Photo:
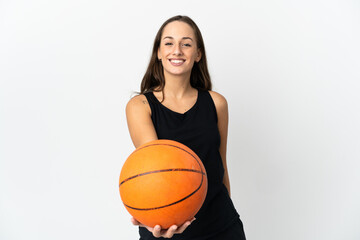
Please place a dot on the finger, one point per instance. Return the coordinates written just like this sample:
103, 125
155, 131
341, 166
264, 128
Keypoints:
170, 232
156, 231
184, 226
134, 221
137, 223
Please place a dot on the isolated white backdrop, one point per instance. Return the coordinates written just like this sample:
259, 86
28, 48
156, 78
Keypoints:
290, 73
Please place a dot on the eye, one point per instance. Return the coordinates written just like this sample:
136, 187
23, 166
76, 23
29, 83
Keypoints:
187, 44
168, 44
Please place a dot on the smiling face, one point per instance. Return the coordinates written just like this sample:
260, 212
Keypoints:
178, 49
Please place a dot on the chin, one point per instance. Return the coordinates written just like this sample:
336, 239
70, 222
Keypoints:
178, 72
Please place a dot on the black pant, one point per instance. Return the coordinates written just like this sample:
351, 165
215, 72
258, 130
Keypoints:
234, 232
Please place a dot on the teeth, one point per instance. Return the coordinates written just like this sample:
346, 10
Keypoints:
177, 61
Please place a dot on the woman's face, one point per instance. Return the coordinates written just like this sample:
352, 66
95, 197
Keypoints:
178, 50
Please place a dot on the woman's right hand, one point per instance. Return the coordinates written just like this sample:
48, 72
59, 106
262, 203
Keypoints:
166, 233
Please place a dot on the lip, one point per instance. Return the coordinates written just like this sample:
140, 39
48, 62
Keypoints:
177, 64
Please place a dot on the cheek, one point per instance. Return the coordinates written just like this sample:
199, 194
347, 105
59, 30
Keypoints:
161, 51
164, 52
194, 56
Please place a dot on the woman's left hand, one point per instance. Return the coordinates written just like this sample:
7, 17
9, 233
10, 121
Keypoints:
165, 233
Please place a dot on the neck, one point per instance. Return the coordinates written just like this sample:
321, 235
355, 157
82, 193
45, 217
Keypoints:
177, 86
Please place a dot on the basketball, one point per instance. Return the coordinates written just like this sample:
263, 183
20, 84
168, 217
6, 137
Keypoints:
163, 182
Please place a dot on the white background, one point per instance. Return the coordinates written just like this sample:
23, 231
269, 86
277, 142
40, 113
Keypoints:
288, 69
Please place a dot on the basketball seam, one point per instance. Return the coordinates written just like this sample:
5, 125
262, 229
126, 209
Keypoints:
162, 170
154, 144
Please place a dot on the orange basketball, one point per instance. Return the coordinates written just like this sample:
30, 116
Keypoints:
163, 182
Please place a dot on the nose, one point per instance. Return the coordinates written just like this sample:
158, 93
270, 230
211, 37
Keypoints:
177, 50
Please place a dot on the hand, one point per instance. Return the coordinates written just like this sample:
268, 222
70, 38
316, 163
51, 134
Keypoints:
166, 233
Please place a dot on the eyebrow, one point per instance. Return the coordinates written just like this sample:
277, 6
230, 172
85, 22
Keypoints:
182, 38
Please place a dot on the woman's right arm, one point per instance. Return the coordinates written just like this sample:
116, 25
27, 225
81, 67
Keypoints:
142, 130
138, 116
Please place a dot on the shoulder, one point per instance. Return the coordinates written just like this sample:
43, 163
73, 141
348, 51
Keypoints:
138, 103
219, 101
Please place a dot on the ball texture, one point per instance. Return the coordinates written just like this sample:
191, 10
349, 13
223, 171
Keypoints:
163, 182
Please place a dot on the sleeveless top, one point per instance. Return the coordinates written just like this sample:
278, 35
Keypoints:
197, 128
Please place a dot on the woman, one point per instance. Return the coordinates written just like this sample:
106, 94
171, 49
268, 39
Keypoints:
176, 102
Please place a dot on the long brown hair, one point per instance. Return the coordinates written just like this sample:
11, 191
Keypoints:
154, 76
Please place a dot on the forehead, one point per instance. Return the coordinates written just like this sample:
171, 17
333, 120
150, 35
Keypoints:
178, 29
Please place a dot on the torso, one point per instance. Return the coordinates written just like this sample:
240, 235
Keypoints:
180, 106
197, 128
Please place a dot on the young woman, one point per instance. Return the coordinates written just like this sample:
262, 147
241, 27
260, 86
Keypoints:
176, 102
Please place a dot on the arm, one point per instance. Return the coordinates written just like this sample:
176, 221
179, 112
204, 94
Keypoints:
223, 120
142, 130
138, 116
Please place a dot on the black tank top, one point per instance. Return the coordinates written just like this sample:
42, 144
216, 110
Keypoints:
197, 128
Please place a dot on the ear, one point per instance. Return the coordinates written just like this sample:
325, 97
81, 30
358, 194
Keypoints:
199, 55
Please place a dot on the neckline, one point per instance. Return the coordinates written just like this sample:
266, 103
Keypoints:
180, 114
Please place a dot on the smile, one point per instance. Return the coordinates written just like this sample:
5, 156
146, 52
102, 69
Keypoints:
176, 62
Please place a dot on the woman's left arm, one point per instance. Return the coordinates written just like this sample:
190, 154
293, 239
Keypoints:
223, 122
